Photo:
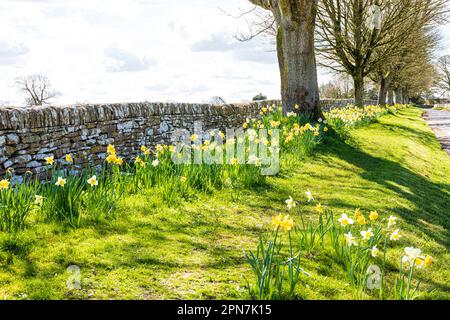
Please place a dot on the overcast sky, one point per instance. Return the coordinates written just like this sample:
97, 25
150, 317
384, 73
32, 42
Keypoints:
136, 50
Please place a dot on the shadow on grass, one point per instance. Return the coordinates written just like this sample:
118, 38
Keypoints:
430, 199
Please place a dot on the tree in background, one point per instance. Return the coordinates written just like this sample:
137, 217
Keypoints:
443, 79
340, 87
37, 89
217, 101
259, 97
357, 36
295, 21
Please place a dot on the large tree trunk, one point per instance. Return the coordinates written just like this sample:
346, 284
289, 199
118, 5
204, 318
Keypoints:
358, 80
398, 96
299, 79
390, 97
382, 93
280, 55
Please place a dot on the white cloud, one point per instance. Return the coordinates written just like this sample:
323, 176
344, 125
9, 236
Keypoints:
115, 50
120, 60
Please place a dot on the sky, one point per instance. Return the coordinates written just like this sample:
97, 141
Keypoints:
104, 51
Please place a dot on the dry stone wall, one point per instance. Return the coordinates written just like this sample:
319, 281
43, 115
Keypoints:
29, 135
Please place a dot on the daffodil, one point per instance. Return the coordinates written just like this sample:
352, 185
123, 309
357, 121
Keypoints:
344, 220
4, 184
194, 137
412, 256
38, 200
291, 203
309, 196
50, 160
319, 208
373, 216
392, 221
172, 149
159, 148
111, 149
284, 223
374, 251
155, 163
395, 235
93, 182
361, 220
69, 158
111, 158
234, 161
325, 129
291, 114
427, 261
118, 161
145, 150
61, 182
245, 125
367, 234
350, 239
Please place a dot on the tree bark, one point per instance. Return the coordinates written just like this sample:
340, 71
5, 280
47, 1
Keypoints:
382, 93
358, 80
280, 55
390, 97
398, 96
299, 79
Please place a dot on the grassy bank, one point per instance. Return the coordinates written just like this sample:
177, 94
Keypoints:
195, 249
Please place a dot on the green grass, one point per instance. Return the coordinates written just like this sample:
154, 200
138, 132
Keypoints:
442, 108
195, 250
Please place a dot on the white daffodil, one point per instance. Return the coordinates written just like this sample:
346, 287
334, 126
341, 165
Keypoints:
395, 235
412, 255
344, 220
309, 196
291, 203
350, 239
155, 163
61, 182
392, 221
93, 182
367, 234
374, 251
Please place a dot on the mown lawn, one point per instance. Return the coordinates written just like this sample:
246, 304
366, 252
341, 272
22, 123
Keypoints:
195, 250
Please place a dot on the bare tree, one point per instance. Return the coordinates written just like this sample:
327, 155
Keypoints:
295, 21
356, 36
443, 69
37, 89
217, 101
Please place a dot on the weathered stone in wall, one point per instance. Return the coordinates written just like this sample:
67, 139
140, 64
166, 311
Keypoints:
29, 135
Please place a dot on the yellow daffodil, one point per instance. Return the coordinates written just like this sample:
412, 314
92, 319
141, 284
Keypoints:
319, 208
172, 149
361, 220
290, 203
325, 129
296, 107
118, 161
245, 125
374, 251
344, 220
395, 235
373, 216
194, 137
283, 223
50, 160
61, 182
350, 239
111, 158
145, 150
4, 184
111, 149
427, 261
367, 234
159, 148
93, 182
69, 158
